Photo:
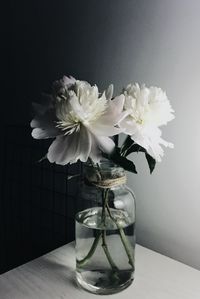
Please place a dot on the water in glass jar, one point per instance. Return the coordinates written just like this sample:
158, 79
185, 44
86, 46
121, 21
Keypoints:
103, 250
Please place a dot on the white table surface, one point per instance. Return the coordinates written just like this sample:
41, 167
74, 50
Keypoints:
52, 277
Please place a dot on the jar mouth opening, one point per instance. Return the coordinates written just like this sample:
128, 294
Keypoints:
105, 174
104, 165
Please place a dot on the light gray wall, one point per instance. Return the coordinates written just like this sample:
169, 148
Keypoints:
158, 42
164, 49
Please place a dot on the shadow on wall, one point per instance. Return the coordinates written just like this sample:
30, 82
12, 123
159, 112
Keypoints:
37, 203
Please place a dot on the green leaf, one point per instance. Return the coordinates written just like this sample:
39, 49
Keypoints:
127, 143
122, 161
116, 140
134, 148
130, 146
151, 162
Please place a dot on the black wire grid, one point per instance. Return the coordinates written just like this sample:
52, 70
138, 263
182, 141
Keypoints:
37, 204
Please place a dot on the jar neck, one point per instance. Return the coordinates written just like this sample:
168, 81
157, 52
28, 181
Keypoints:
105, 174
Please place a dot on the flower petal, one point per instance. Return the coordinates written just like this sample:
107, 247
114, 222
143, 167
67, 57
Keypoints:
44, 127
70, 148
128, 125
77, 108
68, 80
117, 104
114, 112
106, 144
39, 133
44, 121
150, 139
84, 145
102, 129
95, 153
109, 92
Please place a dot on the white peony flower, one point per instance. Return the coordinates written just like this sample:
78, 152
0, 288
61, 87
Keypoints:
80, 119
146, 110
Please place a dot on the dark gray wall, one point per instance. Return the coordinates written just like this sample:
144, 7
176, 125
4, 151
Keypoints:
88, 39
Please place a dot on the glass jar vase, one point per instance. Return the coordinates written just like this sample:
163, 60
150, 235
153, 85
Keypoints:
105, 230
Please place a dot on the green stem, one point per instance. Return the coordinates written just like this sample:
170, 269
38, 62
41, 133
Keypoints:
123, 237
82, 262
107, 253
104, 201
126, 246
103, 234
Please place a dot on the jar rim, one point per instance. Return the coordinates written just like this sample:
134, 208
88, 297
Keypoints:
104, 164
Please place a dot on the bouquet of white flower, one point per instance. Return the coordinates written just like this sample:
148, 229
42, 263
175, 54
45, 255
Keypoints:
86, 125
82, 121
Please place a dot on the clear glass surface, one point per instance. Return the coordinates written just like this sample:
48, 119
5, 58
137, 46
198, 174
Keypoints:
105, 233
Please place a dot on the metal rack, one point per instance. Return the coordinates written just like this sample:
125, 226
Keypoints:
37, 202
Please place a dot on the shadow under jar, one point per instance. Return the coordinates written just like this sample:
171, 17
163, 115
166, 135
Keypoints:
105, 230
